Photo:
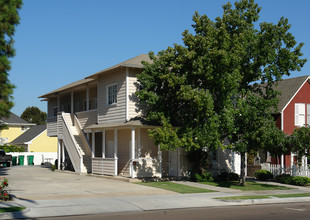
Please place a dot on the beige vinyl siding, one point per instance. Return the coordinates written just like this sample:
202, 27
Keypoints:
103, 166
133, 107
148, 163
52, 127
124, 136
148, 148
114, 112
87, 118
51, 119
109, 137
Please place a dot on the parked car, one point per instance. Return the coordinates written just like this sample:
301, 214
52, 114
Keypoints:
5, 159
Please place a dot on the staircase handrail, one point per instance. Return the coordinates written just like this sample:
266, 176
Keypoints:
83, 136
72, 139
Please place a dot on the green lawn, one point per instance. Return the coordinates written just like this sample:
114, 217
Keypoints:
11, 209
264, 196
249, 186
179, 188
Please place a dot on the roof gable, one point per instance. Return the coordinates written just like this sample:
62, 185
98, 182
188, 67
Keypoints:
134, 62
14, 119
288, 89
30, 134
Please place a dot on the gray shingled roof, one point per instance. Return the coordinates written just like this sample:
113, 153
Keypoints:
69, 86
134, 62
136, 122
288, 88
14, 120
30, 134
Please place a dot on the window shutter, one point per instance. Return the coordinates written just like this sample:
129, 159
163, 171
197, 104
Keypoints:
302, 114
308, 114
300, 111
296, 114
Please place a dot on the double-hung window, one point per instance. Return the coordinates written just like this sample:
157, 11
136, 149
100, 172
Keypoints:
112, 94
300, 114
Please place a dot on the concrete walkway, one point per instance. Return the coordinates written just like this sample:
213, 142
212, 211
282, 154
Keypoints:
47, 194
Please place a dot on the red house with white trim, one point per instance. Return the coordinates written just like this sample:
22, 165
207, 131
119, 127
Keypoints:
293, 109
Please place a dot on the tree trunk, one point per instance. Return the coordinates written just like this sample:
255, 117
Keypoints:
242, 173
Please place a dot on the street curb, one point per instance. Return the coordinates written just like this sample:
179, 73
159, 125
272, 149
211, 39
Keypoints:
267, 201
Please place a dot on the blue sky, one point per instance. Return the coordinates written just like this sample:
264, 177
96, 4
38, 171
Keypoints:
61, 41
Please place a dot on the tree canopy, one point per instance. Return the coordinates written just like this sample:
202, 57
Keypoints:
9, 18
299, 142
34, 115
220, 84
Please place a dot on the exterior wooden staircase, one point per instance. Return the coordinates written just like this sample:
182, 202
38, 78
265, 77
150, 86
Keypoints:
76, 143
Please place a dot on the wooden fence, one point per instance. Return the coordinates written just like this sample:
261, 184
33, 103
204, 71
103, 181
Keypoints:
293, 170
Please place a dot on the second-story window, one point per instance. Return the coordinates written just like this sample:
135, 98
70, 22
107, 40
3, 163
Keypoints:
112, 94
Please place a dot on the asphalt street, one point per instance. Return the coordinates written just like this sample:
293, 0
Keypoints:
53, 194
286, 211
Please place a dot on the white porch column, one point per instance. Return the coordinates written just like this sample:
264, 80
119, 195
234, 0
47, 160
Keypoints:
72, 102
115, 151
93, 144
233, 161
63, 155
132, 151
103, 144
58, 154
282, 163
160, 161
87, 98
139, 144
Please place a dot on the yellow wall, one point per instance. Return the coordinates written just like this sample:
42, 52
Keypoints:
11, 132
43, 143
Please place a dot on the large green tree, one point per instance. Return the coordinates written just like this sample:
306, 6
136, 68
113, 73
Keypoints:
9, 18
220, 84
299, 142
34, 115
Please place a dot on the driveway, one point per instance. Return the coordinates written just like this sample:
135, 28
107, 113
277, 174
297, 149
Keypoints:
40, 183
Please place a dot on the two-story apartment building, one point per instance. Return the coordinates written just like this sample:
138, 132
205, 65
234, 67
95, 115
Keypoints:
97, 123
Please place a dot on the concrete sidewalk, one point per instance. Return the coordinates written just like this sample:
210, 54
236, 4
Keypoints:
79, 195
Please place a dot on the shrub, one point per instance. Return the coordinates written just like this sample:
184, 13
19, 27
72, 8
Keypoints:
54, 167
284, 178
263, 175
205, 176
4, 195
12, 148
300, 180
225, 176
233, 176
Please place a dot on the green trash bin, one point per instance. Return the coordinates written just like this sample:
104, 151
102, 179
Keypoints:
30, 159
14, 161
21, 160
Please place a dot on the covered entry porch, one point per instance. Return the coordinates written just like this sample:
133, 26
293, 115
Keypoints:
124, 149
